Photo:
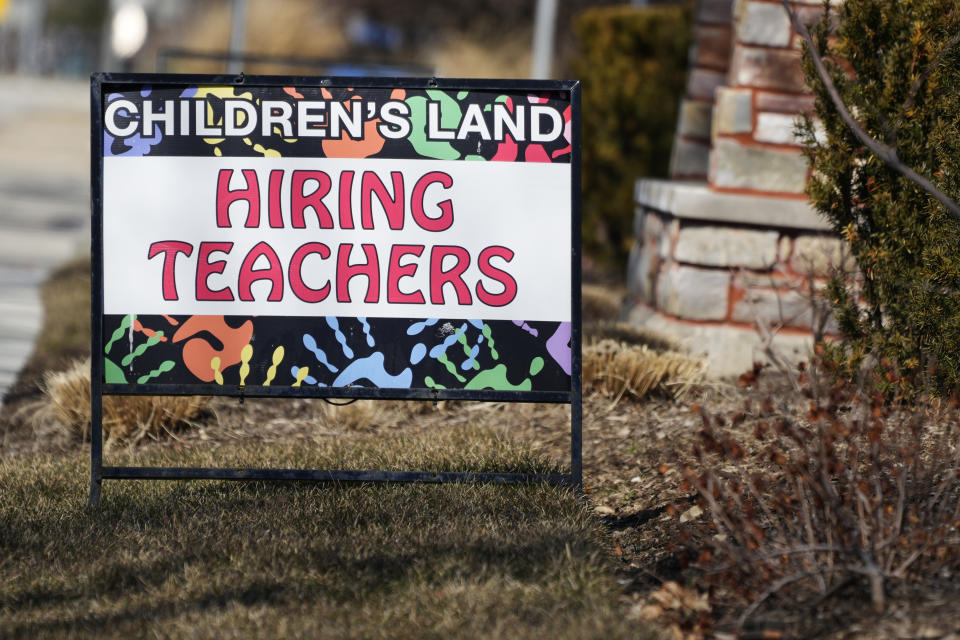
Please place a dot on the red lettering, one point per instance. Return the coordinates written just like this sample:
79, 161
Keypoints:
346, 210
249, 275
454, 275
275, 212
509, 292
297, 285
347, 271
205, 268
169, 249
445, 219
299, 201
249, 194
371, 184
395, 271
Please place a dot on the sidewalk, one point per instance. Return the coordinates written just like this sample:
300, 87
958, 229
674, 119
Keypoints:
44, 201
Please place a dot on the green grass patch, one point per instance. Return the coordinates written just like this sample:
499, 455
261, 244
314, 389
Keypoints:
238, 560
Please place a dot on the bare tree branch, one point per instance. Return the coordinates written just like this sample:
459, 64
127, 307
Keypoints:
884, 152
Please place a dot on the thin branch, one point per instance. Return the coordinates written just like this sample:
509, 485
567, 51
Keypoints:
882, 151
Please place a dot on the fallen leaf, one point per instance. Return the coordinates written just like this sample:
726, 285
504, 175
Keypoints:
692, 513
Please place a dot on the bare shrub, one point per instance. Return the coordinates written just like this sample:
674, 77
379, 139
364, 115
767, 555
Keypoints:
126, 419
861, 489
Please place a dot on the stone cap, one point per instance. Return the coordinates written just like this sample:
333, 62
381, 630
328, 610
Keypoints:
695, 200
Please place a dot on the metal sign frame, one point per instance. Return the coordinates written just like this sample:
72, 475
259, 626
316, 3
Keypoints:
101, 84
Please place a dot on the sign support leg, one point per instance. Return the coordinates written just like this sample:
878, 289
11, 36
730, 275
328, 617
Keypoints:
96, 444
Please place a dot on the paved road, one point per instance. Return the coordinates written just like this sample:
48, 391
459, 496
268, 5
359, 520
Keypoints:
44, 201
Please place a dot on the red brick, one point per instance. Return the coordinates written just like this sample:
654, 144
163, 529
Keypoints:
715, 11
784, 102
713, 46
703, 83
777, 69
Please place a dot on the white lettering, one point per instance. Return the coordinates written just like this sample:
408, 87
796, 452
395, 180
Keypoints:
230, 125
111, 114
434, 132
537, 112
165, 116
396, 123
305, 119
281, 117
473, 122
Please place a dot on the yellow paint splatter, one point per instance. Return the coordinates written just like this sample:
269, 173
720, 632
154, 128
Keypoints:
245, 354
267, 153
302, 373
272, 371
215, 365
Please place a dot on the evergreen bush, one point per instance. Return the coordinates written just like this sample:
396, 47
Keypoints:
896, 65
632, 62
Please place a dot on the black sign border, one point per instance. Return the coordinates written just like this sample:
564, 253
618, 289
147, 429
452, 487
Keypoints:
102, 83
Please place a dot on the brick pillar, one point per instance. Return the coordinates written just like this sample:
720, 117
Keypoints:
754, 149
729, 249
709, 62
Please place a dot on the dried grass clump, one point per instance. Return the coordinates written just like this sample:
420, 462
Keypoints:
615, 368
126, 419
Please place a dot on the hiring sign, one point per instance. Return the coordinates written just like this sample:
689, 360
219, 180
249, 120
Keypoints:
272, 233
320, 237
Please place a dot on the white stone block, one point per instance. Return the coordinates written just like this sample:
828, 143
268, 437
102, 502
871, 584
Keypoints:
733, 112
764, 24
819, 255
730, 351
726, 247
772, 170
694, 294
776, 128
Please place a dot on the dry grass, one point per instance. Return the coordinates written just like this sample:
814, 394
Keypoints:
615, 369
241, 560
65, 409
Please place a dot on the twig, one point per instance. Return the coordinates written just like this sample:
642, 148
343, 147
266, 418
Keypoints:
774, 588
882, 151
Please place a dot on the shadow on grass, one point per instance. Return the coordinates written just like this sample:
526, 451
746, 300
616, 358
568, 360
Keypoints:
219, 559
